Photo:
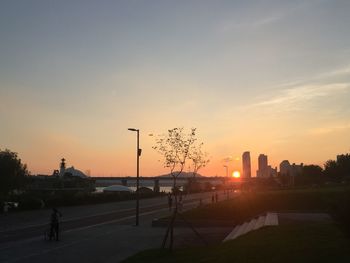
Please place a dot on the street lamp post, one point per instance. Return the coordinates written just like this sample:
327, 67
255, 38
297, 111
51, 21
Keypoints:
138, 154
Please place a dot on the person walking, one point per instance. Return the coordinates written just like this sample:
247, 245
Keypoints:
180, 204
6, 208
170, 201
54, 224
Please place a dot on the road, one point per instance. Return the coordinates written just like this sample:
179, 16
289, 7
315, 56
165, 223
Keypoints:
93, 233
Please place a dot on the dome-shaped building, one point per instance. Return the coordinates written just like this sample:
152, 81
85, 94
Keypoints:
75, 172
70, 171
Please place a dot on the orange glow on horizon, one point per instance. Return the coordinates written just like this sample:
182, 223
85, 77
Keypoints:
236, 174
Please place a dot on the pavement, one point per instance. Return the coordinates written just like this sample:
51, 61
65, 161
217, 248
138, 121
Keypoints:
95, 233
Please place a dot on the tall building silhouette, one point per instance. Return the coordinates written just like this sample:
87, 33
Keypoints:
263, 170
246, 165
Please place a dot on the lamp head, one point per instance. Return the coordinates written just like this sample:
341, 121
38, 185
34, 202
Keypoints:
132, 129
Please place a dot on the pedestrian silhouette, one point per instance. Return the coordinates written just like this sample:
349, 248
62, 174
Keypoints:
216, 197
54, 224
170, 201
180, 204
6, 208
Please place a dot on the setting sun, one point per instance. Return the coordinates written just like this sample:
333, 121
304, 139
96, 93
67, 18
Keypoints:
236, 174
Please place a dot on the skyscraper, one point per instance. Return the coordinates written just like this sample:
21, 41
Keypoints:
263, 166
246, 165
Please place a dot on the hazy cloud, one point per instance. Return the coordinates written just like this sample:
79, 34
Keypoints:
329, 129
303, 93
227, 159
267, 20
336, 72
339, 72
258, 22
307, 92
234, 25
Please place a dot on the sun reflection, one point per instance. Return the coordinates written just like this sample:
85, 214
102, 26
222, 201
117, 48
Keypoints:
236, 174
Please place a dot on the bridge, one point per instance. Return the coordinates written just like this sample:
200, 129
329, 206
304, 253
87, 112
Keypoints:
161, 180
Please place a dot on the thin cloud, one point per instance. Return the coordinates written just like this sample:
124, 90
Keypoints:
267, 20
339, 72
336, 73
228, 26
303, 93
227, 159
329, 129
277, 15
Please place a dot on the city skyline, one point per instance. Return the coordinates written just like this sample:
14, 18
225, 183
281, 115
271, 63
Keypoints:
270, 77
264, 168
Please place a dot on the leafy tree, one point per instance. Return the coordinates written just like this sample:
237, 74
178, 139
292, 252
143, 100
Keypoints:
331, 170
343, 163
339, 169
310, 174
13, 174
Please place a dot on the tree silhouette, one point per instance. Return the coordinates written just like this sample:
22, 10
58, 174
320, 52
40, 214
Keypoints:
198, 157
310, 175
177, 148
199, 160
337, 170
13, 174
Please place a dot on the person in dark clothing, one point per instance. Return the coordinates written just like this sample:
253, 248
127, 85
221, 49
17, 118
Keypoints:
170, 201
180, 203
54, 224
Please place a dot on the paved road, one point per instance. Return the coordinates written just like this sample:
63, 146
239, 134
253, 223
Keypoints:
94, 233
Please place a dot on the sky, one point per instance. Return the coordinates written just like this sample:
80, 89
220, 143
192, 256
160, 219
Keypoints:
268, 77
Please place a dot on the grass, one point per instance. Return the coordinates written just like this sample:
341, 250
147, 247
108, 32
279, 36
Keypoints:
286, 243
303, 242
250, 204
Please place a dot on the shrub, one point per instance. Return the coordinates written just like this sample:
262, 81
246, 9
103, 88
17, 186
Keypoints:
30, 202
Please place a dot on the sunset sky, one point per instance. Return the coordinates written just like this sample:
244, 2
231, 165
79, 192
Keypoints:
268, 77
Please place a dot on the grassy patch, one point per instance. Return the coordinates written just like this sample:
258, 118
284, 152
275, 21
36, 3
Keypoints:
248, 205
287, 243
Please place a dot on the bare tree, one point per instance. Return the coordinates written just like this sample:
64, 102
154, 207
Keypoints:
198, 157
199, 160
177, 148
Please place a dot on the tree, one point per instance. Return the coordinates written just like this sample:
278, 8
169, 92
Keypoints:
177, 148
13, 174
198, 157
343, 163
338, 170
199, 160
310, 174
331, 170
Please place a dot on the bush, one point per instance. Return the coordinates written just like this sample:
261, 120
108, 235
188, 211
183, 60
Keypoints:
251, 204
30, 202
341, 211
